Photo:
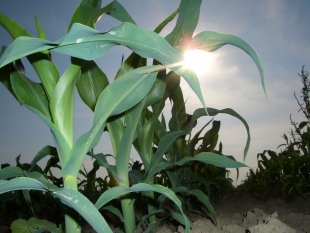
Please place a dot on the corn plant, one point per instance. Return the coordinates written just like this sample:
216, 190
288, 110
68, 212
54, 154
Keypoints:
120, 107
288, 170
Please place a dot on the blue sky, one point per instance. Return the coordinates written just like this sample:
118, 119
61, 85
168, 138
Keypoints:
277, 29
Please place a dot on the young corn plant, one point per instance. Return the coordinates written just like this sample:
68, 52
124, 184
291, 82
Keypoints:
121, 107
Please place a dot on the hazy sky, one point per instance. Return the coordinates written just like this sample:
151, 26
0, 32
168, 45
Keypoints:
277, 29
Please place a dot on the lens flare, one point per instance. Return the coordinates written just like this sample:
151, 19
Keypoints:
198, 60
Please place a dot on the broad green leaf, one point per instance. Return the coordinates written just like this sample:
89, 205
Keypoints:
84, 207
41, 223
91, 83
27, 91
116, 192
39, 177
45, 68
86, 43
211, 41
63, 148
62, 102
186, 23
205, 200
120, 95
10, 172
21, 226
22, 183
45, 151
24, 46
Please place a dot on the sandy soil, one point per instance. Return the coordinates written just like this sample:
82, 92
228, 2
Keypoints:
244, 213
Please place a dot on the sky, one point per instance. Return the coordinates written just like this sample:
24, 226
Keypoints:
277, 29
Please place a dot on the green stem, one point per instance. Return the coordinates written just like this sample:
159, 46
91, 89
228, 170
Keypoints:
129, 214
72, 226
151, 207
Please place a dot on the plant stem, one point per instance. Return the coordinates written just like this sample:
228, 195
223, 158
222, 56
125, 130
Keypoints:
72, 226
129, 214
150, 206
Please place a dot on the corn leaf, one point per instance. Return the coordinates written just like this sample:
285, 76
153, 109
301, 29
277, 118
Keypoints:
45, 151
41, 62
86, 43
123, 153
91, 83
213, 112
84, 207
63, 148
204, 157
186, 23
10, 172
120, 95
22, 183
5, 78
213, 159
62, 102
205, 200
211, 41
27, 91
116, 192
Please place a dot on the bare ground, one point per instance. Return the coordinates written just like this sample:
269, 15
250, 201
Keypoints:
241, 212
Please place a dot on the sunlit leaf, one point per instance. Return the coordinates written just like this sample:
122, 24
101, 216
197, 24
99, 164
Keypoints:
186, 23
211, 41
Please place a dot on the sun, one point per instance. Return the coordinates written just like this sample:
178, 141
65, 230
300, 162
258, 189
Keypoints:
198, 60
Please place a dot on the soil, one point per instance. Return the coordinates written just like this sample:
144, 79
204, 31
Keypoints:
242, 212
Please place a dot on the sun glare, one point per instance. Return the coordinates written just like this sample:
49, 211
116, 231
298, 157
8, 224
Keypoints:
198, 60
